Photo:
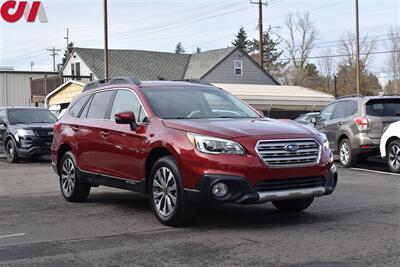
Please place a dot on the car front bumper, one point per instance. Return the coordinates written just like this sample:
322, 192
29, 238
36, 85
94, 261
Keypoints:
241, 192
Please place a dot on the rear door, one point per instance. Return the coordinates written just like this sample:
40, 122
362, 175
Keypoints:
122, 145
380, 114
92, 155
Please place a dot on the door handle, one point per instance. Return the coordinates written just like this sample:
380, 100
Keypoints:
75, 128
105, 133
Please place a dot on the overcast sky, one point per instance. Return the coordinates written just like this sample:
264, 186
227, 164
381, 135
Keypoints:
160, 25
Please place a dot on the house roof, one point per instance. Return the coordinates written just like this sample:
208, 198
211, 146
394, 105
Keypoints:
203, 62
144, 65
150, 65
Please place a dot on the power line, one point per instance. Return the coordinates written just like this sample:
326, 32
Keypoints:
345, 55
54, 54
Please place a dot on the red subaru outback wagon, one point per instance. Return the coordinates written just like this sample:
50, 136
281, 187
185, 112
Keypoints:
183, 143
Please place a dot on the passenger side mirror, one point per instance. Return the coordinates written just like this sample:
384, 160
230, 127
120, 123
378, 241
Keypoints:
126, 118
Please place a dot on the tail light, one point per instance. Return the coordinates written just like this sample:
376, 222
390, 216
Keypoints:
362, 123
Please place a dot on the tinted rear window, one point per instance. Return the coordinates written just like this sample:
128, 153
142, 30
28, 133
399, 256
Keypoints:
383, 107
100, 103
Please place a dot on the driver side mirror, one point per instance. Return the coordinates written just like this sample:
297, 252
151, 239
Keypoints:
126, 118
315, 120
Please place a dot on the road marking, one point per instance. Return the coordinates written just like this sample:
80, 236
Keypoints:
373, 171
14, 235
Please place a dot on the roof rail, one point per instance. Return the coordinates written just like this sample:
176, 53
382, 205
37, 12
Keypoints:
347, 96
199, 81
115, 80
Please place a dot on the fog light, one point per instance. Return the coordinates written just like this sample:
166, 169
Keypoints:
220, 190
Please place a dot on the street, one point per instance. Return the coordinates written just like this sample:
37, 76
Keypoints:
358, 225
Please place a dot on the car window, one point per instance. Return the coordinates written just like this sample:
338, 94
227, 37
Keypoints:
99, 105
28, 116
344, 109
383, 107
127, 101
3, 115
326, 113
196, 103
76, 108
85, 110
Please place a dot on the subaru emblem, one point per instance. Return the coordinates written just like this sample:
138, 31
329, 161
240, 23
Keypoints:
291, 148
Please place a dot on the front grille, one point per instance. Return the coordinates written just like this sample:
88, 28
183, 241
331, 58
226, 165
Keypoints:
277, 152
287, 184
43, 133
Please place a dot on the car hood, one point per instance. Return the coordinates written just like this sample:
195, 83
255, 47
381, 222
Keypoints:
39, 126
234, 128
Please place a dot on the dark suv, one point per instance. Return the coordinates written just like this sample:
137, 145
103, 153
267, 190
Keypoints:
26, 132
183, 142
354, 125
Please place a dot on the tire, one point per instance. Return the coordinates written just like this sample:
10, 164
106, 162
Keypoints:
393, 156
166, 193
293, 205
11, 152
346, 156
72, 187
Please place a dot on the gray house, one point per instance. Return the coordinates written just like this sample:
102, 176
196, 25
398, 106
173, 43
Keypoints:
227, 65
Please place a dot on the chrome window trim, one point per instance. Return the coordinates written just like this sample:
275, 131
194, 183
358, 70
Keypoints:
290, 165
90, 93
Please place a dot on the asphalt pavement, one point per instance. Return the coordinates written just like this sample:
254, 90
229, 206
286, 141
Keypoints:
359, 225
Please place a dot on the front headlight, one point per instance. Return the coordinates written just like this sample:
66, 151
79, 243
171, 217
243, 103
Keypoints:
213, 145
24, 132
325, 142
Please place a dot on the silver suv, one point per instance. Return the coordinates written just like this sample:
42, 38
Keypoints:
354, 125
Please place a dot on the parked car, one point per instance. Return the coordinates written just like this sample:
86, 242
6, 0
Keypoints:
307, 118
183, 143
26, 132
354, 125
390, 146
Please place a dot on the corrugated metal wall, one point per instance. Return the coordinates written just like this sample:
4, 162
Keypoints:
15, 87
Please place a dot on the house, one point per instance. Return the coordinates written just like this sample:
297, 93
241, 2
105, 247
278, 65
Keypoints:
15, 86
226, 65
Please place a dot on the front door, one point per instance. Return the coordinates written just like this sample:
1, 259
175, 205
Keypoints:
123, 147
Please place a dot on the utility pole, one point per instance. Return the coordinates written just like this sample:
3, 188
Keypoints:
105, 40
358, 49
335, 85
67, 37
54, 54
32, 64
260, 28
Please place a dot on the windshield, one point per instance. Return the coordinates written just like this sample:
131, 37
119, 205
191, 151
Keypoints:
383, 107
188, 103
28, 116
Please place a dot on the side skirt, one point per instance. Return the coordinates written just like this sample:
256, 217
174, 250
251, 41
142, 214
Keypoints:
121, 183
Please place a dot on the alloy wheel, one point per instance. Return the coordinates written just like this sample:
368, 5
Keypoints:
68, 177
394, 157
344, 153
164, 192
10, 151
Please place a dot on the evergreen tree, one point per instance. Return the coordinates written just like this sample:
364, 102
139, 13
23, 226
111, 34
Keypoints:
272, 54
67, 52
179, 48
241, 40
198, 50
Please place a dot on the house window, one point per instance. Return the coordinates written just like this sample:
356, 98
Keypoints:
78, 69
72, 69
238, 67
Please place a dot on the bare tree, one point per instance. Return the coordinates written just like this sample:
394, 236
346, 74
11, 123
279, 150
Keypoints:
327, 63
347, 47
302, 36
393, 59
